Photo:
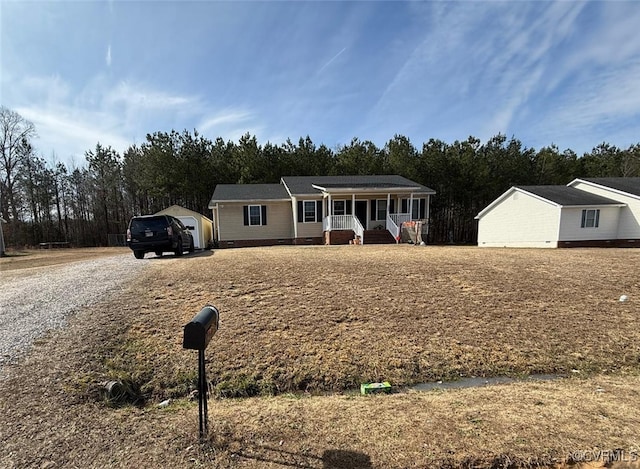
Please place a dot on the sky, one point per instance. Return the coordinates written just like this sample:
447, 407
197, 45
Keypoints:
565, 73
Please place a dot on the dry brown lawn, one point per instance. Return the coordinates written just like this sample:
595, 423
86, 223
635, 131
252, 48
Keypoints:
297, 322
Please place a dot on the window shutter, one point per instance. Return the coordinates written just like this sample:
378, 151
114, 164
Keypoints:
348, 209
264, 214
405, 207
245, 212
374, 209
300, 212
597, 218
319, 210
423, 203
392, 206
584, 219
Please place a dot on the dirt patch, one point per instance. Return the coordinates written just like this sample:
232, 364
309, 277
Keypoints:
318, 319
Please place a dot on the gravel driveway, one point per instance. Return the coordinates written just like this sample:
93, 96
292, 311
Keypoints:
33, 301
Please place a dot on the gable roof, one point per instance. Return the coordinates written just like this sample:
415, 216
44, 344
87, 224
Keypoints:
568, 196
248, 193
628, 185
560, 196
312, 185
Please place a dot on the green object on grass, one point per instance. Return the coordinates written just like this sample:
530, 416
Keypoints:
370, 388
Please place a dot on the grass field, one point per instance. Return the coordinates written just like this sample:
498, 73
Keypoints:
300, 322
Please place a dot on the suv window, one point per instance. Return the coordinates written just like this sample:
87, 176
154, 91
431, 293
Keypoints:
154, 224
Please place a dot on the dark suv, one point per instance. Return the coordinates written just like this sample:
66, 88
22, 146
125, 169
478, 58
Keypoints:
158, 233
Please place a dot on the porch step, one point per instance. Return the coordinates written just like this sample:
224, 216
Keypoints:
378, 237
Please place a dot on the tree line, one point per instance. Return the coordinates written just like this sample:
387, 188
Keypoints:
45, 201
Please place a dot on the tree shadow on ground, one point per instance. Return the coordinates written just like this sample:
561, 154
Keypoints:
330, 459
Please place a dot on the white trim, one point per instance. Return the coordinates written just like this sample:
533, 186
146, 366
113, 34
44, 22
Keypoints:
294, 210
602, 186
217, 216
315, 211
249, 201
249, 215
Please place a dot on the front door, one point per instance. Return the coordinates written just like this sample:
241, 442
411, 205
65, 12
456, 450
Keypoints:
361, 212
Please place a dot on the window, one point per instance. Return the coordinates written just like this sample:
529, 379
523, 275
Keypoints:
339, 207
381, 209
255, 215
418, 208
309, 211
590, 218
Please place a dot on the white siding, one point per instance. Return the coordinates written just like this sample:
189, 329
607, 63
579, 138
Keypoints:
571, 230
629, 222
203, 229
279, 222
519, 220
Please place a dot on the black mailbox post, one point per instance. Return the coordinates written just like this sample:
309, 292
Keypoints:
197, 335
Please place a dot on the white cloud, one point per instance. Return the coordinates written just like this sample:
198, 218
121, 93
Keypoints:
231, 124
71, 132
138, 97
108, 58
224, 119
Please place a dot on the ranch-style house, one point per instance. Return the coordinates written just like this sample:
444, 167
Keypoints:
319, 210
585, 212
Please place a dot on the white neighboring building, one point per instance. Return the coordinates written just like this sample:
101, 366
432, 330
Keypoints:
556, 216
625, 190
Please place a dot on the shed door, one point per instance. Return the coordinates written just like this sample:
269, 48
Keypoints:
192, 224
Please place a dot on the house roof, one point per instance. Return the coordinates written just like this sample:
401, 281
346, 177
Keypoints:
562, 196
311, 185
248, 193
628, 185
175, 209
567, 196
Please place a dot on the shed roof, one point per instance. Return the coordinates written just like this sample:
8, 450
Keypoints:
628, 185
180, 211
248, 192
568, 196
303, 185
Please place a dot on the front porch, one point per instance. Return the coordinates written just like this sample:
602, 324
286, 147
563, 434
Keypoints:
374, 220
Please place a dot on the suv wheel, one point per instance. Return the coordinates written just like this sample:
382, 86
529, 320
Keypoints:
178, 251
139, 254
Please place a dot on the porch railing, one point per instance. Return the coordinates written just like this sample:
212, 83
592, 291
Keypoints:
400, 218
358, 229
337, 222
343, 222
393, 228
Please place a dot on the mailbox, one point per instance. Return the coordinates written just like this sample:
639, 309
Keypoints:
198, 332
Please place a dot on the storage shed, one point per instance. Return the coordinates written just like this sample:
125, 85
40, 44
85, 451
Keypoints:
200, 226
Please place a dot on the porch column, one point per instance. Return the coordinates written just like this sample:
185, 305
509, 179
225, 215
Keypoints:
329, 213
411, 206
388, 205
426, 213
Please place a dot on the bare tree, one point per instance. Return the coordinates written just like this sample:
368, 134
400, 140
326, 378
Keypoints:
15, 142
